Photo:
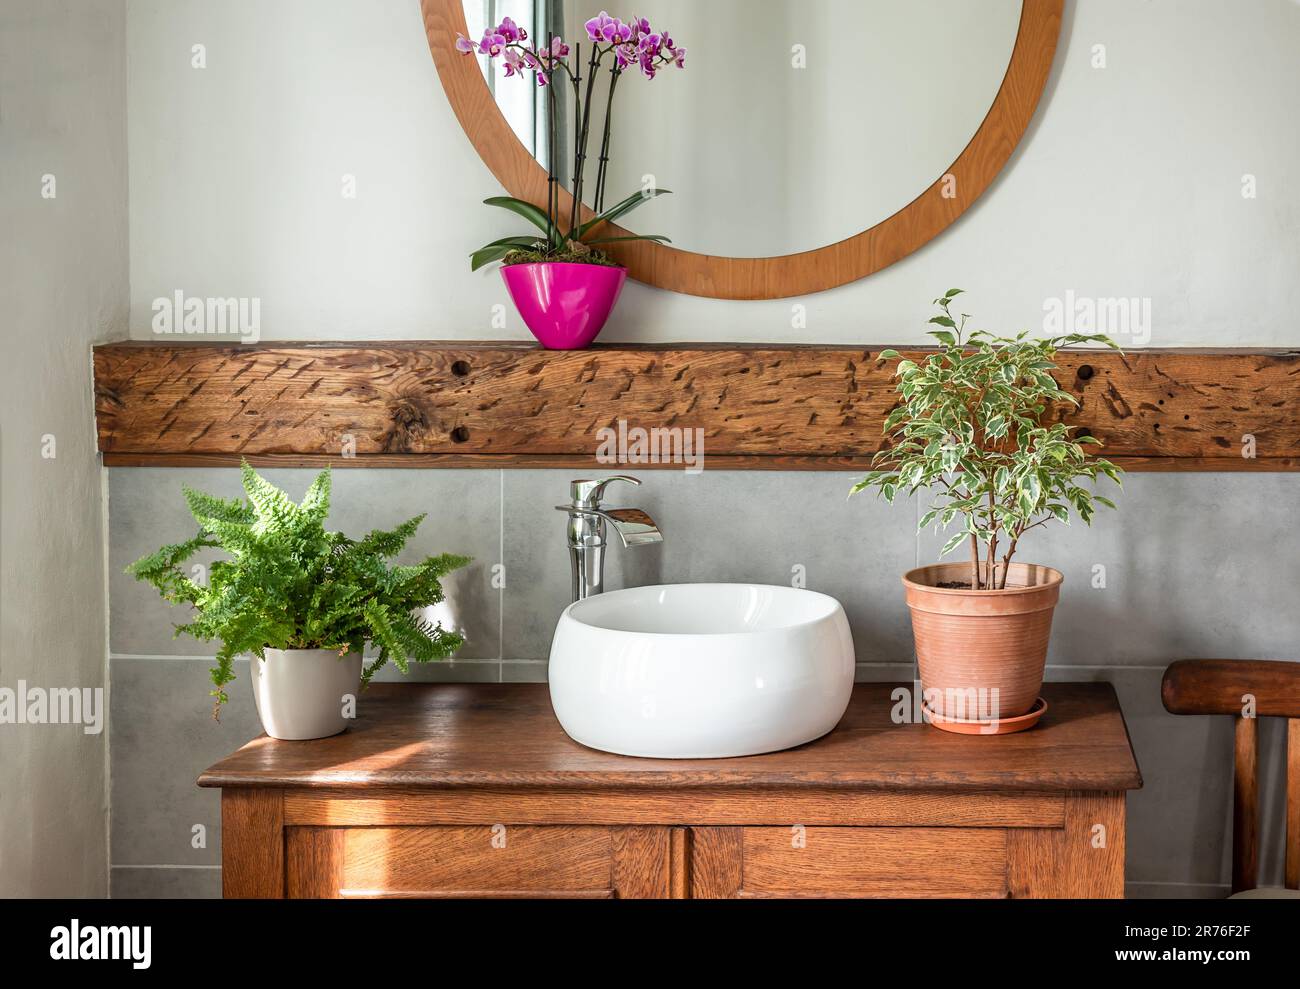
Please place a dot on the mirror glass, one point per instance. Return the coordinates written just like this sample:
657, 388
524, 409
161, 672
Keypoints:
793, 124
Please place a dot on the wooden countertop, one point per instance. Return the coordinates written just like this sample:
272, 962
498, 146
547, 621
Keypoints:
505, 735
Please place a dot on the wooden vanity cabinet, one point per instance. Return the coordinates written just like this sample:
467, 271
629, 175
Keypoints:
473, 790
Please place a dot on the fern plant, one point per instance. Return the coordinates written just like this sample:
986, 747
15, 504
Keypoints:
290, 584
972, 426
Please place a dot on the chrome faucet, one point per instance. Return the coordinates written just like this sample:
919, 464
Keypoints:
586, 532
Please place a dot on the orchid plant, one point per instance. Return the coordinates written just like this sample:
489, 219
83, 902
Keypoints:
615, 47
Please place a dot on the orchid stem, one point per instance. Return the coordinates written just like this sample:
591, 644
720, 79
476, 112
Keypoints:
552, 182
604, 144
577, 138
583, 110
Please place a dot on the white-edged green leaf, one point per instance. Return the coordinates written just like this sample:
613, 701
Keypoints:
953, 543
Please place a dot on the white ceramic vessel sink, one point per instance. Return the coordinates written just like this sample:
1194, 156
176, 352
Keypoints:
695, 671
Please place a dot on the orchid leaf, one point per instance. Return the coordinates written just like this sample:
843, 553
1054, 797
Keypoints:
658, 238
619, 209
533, 214
523, 243
498, 249
486, 255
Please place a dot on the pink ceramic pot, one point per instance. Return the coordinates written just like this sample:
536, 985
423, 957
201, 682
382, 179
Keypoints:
564, 305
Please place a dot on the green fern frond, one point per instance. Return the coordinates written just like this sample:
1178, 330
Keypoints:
316, 503
274, 508
373, 667
444, 564
205, 506
233, 537
384, 635
426, 642
222, 674
391, 542
162, 570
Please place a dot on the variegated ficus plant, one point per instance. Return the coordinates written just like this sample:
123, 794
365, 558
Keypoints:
975, 429
614, 46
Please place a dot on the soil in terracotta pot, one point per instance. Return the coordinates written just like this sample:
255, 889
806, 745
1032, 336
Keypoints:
953, 585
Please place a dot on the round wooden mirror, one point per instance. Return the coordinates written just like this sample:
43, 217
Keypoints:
923, 146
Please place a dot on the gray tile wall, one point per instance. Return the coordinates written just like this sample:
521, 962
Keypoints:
1194, 566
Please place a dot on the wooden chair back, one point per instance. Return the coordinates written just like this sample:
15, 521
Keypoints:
1247, 689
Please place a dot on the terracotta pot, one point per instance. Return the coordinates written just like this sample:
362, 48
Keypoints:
981, 653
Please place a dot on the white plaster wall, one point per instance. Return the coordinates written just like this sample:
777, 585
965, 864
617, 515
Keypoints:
1128, 184
63, 286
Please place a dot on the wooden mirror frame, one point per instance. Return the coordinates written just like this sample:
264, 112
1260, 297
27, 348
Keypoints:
895, 237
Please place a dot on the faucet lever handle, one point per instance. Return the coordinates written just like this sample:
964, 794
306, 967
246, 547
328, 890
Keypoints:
588, 493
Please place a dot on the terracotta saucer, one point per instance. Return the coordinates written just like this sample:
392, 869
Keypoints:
998, 726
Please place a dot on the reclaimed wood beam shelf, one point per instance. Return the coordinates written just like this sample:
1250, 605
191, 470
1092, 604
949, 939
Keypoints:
761, 406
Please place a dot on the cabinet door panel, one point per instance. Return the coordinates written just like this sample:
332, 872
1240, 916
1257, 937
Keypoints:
849, 862
476, 861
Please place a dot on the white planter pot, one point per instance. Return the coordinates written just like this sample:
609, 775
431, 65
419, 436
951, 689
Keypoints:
300, 693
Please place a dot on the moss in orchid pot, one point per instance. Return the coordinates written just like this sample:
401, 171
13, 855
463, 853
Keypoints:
560, 278
978, 428
302, 602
